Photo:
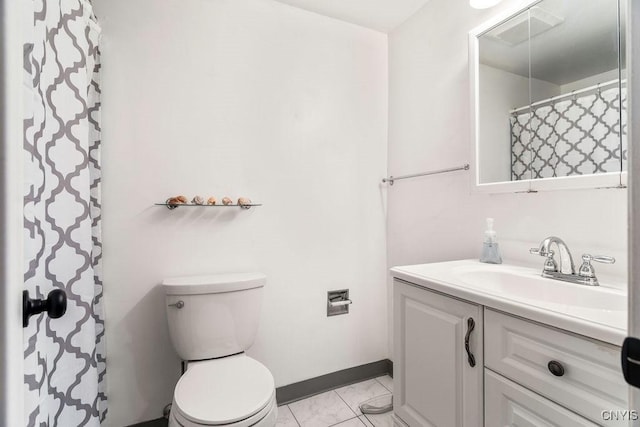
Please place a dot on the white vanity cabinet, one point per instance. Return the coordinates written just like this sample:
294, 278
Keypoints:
586, 379
526, 373
434, 382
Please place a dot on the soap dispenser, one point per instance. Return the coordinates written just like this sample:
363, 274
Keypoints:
490, 248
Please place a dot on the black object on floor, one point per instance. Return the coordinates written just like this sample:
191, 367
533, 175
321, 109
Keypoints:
160, 422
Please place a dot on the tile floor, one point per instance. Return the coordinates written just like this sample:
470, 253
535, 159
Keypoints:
338, 407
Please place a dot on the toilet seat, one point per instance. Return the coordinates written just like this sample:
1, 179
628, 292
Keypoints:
235, 390
265, 418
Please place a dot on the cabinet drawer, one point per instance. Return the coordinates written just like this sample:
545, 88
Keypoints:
521, 350
508, 404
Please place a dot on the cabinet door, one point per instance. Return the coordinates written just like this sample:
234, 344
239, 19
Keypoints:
508, 404
434, 382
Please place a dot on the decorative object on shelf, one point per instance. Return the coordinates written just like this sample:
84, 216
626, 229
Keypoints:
173, 202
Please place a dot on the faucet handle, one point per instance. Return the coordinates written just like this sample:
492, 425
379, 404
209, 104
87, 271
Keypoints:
586, 258
541, 252
586, 269
550, 264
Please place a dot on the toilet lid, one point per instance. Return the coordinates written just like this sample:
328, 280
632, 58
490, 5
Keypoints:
223, 391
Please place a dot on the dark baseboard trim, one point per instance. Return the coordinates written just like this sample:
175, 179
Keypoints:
160, 422
303, 389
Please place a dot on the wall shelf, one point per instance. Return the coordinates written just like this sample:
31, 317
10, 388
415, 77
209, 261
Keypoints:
172, 207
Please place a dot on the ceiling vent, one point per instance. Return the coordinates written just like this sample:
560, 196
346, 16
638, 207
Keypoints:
516, 30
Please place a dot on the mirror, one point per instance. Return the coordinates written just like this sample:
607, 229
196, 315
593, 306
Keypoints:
550, 97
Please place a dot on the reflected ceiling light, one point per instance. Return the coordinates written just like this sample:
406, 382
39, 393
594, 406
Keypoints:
483, 4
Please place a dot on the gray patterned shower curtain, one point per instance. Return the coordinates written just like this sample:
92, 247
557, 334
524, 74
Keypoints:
64, 378
580, 135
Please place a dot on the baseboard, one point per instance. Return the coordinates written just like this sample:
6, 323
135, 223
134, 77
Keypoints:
160, 422
303, 389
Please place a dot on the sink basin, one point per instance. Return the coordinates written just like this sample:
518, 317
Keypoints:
597, 304
526, 286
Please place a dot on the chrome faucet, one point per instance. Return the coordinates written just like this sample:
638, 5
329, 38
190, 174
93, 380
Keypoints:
566, 270
550, 264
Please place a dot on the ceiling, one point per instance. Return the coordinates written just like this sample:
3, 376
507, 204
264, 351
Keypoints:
381, 15
583, 45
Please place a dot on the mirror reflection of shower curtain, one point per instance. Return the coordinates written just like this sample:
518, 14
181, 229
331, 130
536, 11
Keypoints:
578, 135
64, 359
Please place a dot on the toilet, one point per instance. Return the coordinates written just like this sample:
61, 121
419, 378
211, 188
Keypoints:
212, 321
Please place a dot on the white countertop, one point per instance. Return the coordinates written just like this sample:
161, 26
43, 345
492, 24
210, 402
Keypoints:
598, 312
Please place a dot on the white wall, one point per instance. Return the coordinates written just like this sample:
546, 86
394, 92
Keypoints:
438, 218
12, 86
500, 92
592, 81
241, 98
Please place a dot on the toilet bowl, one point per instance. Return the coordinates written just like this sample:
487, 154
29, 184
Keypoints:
233, 391
212, 320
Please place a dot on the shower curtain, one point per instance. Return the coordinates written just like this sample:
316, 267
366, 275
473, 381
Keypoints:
575, 136
64, 378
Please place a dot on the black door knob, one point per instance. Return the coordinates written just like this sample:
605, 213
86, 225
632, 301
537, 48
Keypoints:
556, 368
55, 305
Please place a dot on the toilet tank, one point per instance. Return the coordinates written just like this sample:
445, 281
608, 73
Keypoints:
213, 316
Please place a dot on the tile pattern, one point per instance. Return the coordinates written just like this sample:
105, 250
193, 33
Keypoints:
364, 419
285, 417
322, 410
353, 422
380, 420
355, 394
338, 407
387, 382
